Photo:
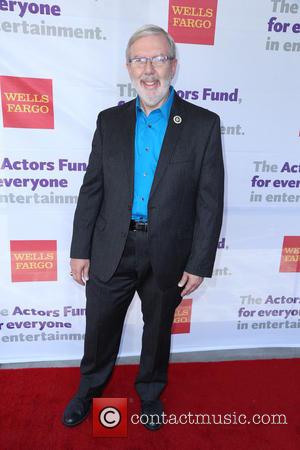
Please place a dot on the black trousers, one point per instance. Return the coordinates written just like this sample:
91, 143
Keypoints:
106, 308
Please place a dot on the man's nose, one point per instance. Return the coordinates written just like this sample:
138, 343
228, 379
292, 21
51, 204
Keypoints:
149, 69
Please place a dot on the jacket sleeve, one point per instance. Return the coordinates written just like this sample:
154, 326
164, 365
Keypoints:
89, 200
209, 207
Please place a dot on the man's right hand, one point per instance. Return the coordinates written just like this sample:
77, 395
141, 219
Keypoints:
80, 270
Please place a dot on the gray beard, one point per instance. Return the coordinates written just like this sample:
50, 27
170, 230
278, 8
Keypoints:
152, 100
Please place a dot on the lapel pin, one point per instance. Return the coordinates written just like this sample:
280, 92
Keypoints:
177, 119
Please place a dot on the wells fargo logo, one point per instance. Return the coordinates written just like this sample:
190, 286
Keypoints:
182, 317
193, 21
27, 102
290, 256
33, 260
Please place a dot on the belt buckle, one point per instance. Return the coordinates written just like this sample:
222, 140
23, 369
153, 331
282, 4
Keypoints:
141, 226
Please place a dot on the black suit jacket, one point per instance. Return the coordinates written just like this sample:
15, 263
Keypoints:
185, 206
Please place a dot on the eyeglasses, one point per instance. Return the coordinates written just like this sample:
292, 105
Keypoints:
156, 61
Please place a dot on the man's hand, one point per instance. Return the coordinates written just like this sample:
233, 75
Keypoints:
80, 270
191, 282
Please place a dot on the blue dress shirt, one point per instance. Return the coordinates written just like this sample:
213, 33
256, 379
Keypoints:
149, 135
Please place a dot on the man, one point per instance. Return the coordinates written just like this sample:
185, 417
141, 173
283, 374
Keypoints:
148, 219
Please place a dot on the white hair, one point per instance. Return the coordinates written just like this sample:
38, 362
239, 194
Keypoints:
149, 30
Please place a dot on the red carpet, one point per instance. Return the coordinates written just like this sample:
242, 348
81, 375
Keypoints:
32, 402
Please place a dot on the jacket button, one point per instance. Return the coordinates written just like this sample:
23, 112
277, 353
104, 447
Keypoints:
123, 234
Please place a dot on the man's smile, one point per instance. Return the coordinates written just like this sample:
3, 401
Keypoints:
150, 85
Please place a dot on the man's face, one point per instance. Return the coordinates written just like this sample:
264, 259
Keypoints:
152, 83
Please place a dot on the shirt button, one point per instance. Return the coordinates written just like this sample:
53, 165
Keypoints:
147, 149
142, 198
149, 125
145, 174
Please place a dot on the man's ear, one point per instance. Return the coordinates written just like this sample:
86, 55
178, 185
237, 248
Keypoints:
128, 67
174, 67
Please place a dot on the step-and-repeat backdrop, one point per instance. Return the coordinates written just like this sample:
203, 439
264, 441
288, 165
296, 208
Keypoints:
61, 63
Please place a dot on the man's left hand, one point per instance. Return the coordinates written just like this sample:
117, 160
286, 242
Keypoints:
190, 282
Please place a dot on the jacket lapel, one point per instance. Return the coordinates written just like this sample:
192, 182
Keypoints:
128, 143
173, 131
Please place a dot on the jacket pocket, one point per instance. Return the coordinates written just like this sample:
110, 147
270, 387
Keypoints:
181, 161
185, 233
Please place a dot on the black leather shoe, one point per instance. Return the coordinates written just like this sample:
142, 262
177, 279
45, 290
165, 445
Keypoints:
151, 414
76, 411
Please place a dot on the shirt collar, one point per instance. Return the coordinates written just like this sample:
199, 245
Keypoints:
164, 109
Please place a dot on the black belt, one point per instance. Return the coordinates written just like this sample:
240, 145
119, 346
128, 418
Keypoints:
138, 226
